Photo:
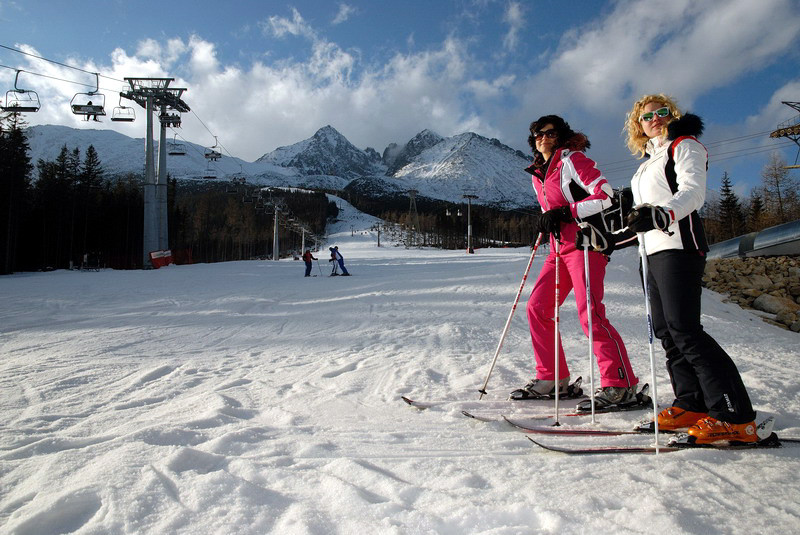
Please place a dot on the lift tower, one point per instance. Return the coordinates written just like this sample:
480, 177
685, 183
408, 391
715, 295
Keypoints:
790, 129
155, 95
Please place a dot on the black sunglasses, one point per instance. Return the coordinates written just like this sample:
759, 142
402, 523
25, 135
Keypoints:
552, 133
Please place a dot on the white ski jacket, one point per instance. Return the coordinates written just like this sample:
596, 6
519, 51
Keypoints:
677, 185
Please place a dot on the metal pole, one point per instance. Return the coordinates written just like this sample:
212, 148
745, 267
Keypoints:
643, 256
161, 187
275, 238
510, 315
589, 325
556, 333
150, 230
469, 198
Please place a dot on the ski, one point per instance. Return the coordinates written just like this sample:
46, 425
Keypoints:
766, 439
552, 430
467, 404
598, 450
485, 418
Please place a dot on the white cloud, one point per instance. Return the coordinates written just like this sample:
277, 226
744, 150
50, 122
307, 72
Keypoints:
344, 13
280, 26
514, 16
591, 79
675, 46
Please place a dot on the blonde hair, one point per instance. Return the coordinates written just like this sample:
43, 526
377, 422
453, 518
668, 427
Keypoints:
637, 140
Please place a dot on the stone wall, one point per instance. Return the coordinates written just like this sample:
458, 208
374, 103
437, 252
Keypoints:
769, 284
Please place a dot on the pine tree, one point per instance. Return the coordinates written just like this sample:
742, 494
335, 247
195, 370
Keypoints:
90, 178
731, 214
755, 212
15, 182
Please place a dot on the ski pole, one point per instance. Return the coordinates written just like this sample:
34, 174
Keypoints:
510, 315
643, 256
589, 325
319, 267
555, 330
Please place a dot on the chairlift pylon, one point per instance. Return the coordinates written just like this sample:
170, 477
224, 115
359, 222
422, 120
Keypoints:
212, 153
21, 100
122, 113
90, 104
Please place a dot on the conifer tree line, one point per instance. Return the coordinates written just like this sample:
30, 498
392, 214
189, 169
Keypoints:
444, 224
775, 201
74, 213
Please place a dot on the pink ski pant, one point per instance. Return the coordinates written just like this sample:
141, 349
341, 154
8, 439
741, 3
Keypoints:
612, 357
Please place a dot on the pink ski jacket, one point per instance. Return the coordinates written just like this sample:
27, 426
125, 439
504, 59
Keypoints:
572, 179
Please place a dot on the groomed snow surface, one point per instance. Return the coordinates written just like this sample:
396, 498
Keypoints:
243, 398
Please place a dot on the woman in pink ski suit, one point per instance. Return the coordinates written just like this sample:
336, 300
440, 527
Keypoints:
569, 186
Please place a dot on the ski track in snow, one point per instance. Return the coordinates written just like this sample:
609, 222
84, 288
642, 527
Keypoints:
243, 398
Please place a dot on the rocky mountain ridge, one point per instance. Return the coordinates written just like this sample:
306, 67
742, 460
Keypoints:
441, 168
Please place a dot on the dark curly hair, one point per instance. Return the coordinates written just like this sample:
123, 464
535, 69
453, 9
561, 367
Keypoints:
567, 137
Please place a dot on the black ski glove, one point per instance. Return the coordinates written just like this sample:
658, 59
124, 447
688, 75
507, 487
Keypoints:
550, 221
648, 217
594, 239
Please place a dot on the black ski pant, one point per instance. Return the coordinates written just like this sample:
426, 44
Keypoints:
704, 377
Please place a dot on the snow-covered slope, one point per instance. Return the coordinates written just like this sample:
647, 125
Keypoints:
244, 398
469, 163
121, 154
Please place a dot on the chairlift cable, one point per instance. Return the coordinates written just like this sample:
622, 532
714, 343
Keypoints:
57, 63
59, 79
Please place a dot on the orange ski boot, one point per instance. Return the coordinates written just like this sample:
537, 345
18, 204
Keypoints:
677, 419
710, 430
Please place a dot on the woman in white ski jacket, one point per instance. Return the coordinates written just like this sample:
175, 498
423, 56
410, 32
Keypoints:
569, 186
711, 401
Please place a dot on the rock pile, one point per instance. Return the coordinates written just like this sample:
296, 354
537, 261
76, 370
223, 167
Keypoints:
768, 284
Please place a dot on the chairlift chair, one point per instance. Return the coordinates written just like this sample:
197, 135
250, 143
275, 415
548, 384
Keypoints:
211, 152
170, 119
210, 173
21, 100
175, 147
89, 104
122, 113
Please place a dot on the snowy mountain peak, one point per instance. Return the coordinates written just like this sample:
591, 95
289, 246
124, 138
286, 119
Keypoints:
327, 152
395, 158
470, 162
330, 136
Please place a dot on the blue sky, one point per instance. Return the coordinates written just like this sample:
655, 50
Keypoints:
266, 74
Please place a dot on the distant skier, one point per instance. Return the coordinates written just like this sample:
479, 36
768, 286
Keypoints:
334, 270
307, 258
336, 257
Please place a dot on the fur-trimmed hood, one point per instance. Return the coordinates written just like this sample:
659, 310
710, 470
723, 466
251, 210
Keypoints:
688, 125
577, 142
